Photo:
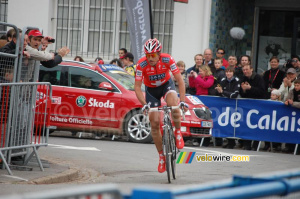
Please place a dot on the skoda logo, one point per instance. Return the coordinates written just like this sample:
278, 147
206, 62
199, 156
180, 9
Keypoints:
81, 101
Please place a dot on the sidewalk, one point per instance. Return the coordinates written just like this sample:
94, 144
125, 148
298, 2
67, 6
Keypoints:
32, 174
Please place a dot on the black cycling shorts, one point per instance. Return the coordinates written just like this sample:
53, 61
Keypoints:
154, 94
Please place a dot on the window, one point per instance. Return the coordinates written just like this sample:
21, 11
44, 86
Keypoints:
93, 28
84, 78
52, 75
3, 13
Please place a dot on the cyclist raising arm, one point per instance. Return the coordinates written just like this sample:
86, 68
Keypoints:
154, 70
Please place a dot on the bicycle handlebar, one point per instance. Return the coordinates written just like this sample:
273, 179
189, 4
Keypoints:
168, 108
163, 108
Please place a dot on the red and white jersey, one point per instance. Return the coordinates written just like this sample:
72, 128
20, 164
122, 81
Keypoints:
154, 76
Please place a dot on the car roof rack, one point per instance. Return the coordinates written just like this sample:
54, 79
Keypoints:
82, 63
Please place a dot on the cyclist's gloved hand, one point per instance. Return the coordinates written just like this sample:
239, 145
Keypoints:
183, 105
145, 108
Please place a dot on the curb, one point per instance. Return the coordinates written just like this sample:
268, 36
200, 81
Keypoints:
66, 176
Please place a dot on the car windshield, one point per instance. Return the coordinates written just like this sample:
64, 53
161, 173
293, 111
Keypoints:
126, 80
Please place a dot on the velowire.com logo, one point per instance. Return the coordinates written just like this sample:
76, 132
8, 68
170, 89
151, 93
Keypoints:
187, 158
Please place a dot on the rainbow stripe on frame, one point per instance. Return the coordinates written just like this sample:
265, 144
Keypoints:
185, 157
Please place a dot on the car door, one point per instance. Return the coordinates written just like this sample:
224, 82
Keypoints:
55, 77
93, 107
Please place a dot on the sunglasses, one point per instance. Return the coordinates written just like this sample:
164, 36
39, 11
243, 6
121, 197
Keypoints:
220, 53
153, 55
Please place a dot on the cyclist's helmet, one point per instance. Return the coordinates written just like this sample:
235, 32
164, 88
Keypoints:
152, 46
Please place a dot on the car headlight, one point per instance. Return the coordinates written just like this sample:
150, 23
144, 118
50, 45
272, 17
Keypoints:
188, 112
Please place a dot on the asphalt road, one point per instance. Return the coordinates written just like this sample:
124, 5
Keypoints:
132, 165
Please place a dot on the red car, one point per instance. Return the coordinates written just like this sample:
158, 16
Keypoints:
101, 99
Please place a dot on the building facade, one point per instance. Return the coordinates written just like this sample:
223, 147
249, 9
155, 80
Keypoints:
93, 28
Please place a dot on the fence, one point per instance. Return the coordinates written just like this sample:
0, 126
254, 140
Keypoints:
24, 115
24, 105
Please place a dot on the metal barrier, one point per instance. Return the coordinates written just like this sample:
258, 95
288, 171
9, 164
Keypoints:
281, 184
24, 120
98, 191
240, 187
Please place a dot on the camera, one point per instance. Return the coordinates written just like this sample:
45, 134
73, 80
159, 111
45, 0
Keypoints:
51, 40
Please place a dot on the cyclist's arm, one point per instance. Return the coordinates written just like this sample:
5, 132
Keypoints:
139, 92
181, 86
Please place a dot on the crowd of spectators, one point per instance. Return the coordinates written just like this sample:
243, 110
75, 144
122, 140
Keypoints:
236, 78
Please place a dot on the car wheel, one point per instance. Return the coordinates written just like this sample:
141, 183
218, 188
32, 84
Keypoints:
137, 127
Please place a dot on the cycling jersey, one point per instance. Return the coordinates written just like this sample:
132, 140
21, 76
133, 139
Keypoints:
130, 69
154, 76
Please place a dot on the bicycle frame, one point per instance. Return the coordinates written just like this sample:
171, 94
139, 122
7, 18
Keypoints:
168, 139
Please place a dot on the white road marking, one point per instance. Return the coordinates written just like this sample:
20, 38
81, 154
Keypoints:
15, 177
216, 152
74, 147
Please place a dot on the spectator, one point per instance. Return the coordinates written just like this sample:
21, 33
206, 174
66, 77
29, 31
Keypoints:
35, 40
287, 83
208, 60
232, 61
8, 75
275, 95
129, 66
85, 82
293, 99
99, 60
78, 58
252, 86
218, 75
122, 52
198, 58
116, 62
9, 34
244, 60
201, 81
10, 47
294, 63
229, 87
220, 54
181, 66
48, 60
273, 77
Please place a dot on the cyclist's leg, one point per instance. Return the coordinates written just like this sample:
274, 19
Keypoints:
171, 99
153, 96
154, 118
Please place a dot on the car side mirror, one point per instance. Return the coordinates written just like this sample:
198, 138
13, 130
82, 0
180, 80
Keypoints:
105, 86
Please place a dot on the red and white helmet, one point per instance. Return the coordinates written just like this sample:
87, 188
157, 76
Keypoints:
152, 46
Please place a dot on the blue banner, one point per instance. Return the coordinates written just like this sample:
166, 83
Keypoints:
252, 119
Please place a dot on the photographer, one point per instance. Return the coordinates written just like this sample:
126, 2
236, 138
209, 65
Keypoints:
293, 63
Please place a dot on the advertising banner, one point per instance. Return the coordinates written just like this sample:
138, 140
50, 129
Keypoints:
139, 25
252, 119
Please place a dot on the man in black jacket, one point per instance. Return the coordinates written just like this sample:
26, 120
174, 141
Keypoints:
252, 86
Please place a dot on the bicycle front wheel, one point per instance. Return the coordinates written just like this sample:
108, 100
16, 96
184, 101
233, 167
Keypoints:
174, 153
167, 152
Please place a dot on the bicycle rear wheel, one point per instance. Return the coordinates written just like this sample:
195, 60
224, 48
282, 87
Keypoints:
167, 152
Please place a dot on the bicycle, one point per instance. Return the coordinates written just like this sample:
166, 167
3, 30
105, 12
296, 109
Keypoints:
169, 141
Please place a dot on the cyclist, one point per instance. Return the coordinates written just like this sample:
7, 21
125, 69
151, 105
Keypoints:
154, 71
